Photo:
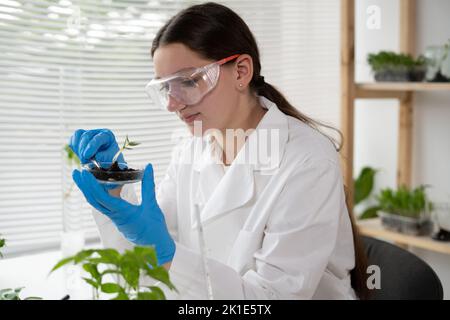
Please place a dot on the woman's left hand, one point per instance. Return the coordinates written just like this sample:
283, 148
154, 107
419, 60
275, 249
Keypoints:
142, 224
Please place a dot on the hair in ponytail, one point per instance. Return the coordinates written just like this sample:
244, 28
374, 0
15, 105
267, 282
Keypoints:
215, 31
270, 92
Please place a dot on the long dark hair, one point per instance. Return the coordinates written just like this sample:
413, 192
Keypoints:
214, 32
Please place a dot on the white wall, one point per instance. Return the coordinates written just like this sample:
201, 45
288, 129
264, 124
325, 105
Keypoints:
376, 120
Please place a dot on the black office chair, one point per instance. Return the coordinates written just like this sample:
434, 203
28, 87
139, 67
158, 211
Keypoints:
403, 276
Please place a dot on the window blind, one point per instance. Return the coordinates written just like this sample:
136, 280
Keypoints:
83, 64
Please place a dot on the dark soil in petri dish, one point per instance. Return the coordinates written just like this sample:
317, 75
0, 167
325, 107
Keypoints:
115, 173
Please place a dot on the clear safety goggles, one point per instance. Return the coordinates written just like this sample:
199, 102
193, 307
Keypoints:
188, 86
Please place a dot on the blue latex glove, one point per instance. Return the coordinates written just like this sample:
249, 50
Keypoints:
97, 143
142, 224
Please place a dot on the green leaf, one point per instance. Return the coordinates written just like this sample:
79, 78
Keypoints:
62, 263
110, 271
10, 294
146, 255
5, 290
121, 296
370, 213
160, 274
147, 296
110, 256
71, 156
93, 271
129, 267
111, 288
158, 292
2, 244
91, 282
33, 298
364, 184
82, 255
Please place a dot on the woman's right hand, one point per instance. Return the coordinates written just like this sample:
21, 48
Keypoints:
97, 143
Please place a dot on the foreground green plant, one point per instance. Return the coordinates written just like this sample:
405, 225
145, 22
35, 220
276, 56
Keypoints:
14, 294
405, 202
127, 267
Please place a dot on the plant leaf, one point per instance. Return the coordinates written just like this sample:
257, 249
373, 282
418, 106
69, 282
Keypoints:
146, 255
110, 256
62, 263
71, 156
158, 292
80, 256
147, 296
91, 282
110, 271
370, 213
121, 296
364, 184
160, 274
93, 271
129, 267
10, 294
111, 288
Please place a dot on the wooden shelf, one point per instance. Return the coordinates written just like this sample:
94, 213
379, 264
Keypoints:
373, 228
403, 91
404, 86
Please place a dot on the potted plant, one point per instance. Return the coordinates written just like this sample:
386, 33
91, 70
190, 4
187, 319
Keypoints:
406, 211
438, 63
127, 268
115, 172
391, 66
9, 293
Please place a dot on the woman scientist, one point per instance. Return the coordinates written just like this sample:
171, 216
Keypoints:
274, 227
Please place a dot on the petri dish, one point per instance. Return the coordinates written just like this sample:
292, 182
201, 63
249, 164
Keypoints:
122, 174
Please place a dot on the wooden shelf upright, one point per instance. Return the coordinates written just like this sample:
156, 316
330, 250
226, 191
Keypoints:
404, 92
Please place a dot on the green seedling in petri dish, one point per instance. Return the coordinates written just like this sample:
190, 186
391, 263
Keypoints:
127, 145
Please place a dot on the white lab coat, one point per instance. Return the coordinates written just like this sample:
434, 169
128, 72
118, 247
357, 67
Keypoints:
283, 235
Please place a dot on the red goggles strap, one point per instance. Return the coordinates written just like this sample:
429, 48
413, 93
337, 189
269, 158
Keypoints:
225, 60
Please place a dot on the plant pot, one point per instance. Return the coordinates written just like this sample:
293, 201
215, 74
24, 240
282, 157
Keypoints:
400, 75
439, 78
407, 225
118, 174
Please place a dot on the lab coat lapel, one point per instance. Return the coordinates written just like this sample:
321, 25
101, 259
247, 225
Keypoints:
218, 193
209, 175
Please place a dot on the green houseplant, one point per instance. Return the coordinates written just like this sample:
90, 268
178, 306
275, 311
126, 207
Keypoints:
127, 269
405, 210
391, 66
9, 293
